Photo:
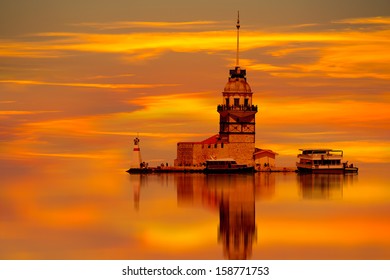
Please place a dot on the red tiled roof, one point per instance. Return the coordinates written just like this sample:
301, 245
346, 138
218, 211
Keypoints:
211, 140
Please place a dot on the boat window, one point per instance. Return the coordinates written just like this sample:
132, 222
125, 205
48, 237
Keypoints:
215, 145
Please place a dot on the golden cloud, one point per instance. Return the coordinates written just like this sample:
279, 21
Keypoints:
149, 134
148, 24
367, 20
25, 112
66, 155
339, 53
89, 85
177, 41
352, 61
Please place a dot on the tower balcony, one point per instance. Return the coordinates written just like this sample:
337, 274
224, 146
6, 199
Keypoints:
239, 108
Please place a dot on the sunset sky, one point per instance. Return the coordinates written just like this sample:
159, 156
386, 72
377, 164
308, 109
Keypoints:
80, 79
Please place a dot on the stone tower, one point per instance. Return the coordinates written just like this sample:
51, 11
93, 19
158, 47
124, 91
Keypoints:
236, 137
237, 113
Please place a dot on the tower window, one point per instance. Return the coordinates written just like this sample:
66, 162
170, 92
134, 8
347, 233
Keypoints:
236, 101
246, 102
221, 145
215, 145
227, 101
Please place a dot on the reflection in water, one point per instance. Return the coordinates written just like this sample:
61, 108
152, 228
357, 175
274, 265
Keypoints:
237, 229
324, 186
139, 181
233, 196
191, 216
196, 216
137, 192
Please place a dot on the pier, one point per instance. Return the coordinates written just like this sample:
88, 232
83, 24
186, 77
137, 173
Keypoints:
196, 169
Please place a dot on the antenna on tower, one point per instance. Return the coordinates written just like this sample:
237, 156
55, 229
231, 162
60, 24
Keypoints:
238, 37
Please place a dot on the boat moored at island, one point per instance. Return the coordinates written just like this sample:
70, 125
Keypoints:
323, 161
227, 165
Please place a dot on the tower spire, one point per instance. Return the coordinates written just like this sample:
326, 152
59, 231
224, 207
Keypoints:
238, 37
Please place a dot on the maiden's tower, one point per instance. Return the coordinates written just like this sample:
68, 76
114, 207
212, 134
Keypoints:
236, 137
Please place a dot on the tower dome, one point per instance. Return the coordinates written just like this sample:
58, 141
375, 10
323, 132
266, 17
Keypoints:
239, 86
237, 82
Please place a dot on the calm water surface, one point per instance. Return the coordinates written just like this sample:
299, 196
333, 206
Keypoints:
84, 210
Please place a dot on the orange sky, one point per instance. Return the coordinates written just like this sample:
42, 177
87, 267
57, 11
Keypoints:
84, 86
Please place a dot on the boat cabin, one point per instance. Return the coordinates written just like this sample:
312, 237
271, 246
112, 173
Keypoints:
226, 165
320, 160
221, 163
321, 156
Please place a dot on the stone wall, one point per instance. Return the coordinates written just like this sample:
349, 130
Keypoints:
195, 154
185, 154
242, 152
242, 138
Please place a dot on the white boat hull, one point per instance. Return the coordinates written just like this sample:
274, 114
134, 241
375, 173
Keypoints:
317, 169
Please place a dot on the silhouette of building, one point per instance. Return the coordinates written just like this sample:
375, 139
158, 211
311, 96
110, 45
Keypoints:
236, 137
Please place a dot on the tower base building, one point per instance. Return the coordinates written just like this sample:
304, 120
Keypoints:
236, 137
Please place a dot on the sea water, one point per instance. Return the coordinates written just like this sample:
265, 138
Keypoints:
81, 209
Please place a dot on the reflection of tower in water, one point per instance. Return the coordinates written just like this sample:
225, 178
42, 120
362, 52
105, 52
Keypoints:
137, 181
234, 197
237, 228
140, 181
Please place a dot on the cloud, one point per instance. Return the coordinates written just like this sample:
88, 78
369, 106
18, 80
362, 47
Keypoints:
52, 43
144, 24
7, 101
65, 155
338, 53
150, 134
352, 61
284, 51
251, 64
366, 20
25, 112
177, 101
89, 85
97, 77
352, 55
